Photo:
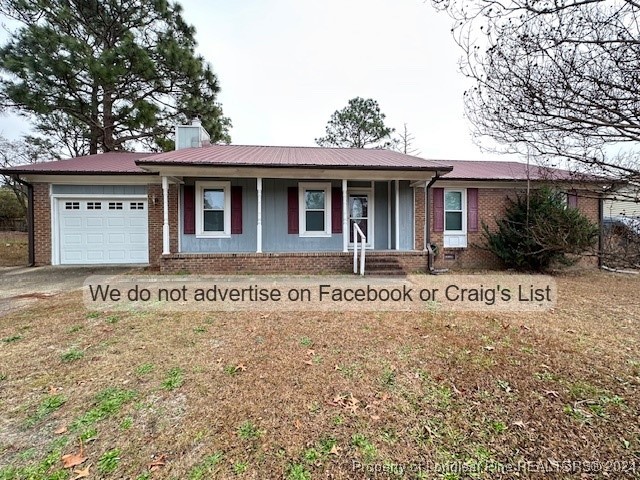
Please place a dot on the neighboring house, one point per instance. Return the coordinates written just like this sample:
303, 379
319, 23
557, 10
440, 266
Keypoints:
227, 209
625, 203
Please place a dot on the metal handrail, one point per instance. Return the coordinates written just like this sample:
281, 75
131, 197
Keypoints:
363, 240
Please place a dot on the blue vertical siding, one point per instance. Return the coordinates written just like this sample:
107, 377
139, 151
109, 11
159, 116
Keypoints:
99, 189
406, 216
274, 222
244, 242
381, 216
275, 236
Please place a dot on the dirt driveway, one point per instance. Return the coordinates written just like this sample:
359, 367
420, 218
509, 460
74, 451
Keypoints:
20, 286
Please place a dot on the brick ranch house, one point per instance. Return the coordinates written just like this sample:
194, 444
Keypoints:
258, 209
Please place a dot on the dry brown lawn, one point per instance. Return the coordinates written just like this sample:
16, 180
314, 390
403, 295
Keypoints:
199, 396
13, 249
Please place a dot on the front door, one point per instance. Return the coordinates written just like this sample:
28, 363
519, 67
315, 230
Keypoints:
361, 212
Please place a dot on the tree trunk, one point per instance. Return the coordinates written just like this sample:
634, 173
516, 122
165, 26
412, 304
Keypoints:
93, 128
108, 143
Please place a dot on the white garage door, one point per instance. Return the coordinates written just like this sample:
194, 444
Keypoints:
100, 231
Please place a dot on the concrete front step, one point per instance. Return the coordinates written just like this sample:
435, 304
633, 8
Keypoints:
385, 273
383, 266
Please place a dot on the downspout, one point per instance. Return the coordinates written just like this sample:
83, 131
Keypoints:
601, 231
427, 216
30, 221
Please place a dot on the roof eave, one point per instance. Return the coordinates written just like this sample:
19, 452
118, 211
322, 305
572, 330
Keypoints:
567, 180
143, 164
69, 172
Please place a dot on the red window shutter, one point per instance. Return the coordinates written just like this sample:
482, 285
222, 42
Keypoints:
472, 209
293, 210
189, 214
438, 209
236, 210
572, 199
336, 210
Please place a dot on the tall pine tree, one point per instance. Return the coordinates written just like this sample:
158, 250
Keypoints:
112, 73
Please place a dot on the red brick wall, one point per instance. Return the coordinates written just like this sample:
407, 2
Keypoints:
42, 223
491, 203
294, 263
491, 206
589, 206
156, 219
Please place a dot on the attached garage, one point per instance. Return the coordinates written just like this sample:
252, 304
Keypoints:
100, 228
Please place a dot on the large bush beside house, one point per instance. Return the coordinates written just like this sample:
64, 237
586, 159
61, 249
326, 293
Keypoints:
539, 231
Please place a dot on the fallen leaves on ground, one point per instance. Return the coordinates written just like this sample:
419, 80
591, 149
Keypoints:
158, 463
84, 473
71, 460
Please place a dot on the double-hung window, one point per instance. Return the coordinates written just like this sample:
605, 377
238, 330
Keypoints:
455, 218
213, 207
315, 209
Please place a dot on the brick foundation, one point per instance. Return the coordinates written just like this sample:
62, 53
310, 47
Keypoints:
294, 263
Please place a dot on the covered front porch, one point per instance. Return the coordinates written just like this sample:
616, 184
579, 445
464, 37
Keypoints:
311, 211
291, 208
277, 215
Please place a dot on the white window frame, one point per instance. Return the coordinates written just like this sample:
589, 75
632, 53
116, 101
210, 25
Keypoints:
455, 238
200, 188
302, 188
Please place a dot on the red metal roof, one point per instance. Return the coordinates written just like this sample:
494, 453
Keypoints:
310, 157
101, 163
514, 171
130, 163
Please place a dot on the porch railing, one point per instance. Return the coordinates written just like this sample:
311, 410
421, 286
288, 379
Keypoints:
357, 232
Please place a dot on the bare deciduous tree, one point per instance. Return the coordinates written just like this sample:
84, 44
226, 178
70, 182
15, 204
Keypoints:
555, 78
403, 142
25, 151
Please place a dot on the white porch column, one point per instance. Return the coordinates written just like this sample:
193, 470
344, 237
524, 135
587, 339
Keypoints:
345, 218
389, 215
397, 214
259, 226
165, 215
426, 216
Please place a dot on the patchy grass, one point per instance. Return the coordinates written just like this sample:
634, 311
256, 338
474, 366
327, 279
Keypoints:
108, 462
248, 431
107, 403
207, 467
14, 249
145, 369
174, 379
48, 405
255, 397
12, 338
71, 355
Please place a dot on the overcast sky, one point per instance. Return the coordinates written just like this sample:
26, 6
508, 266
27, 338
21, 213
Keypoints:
286, 65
